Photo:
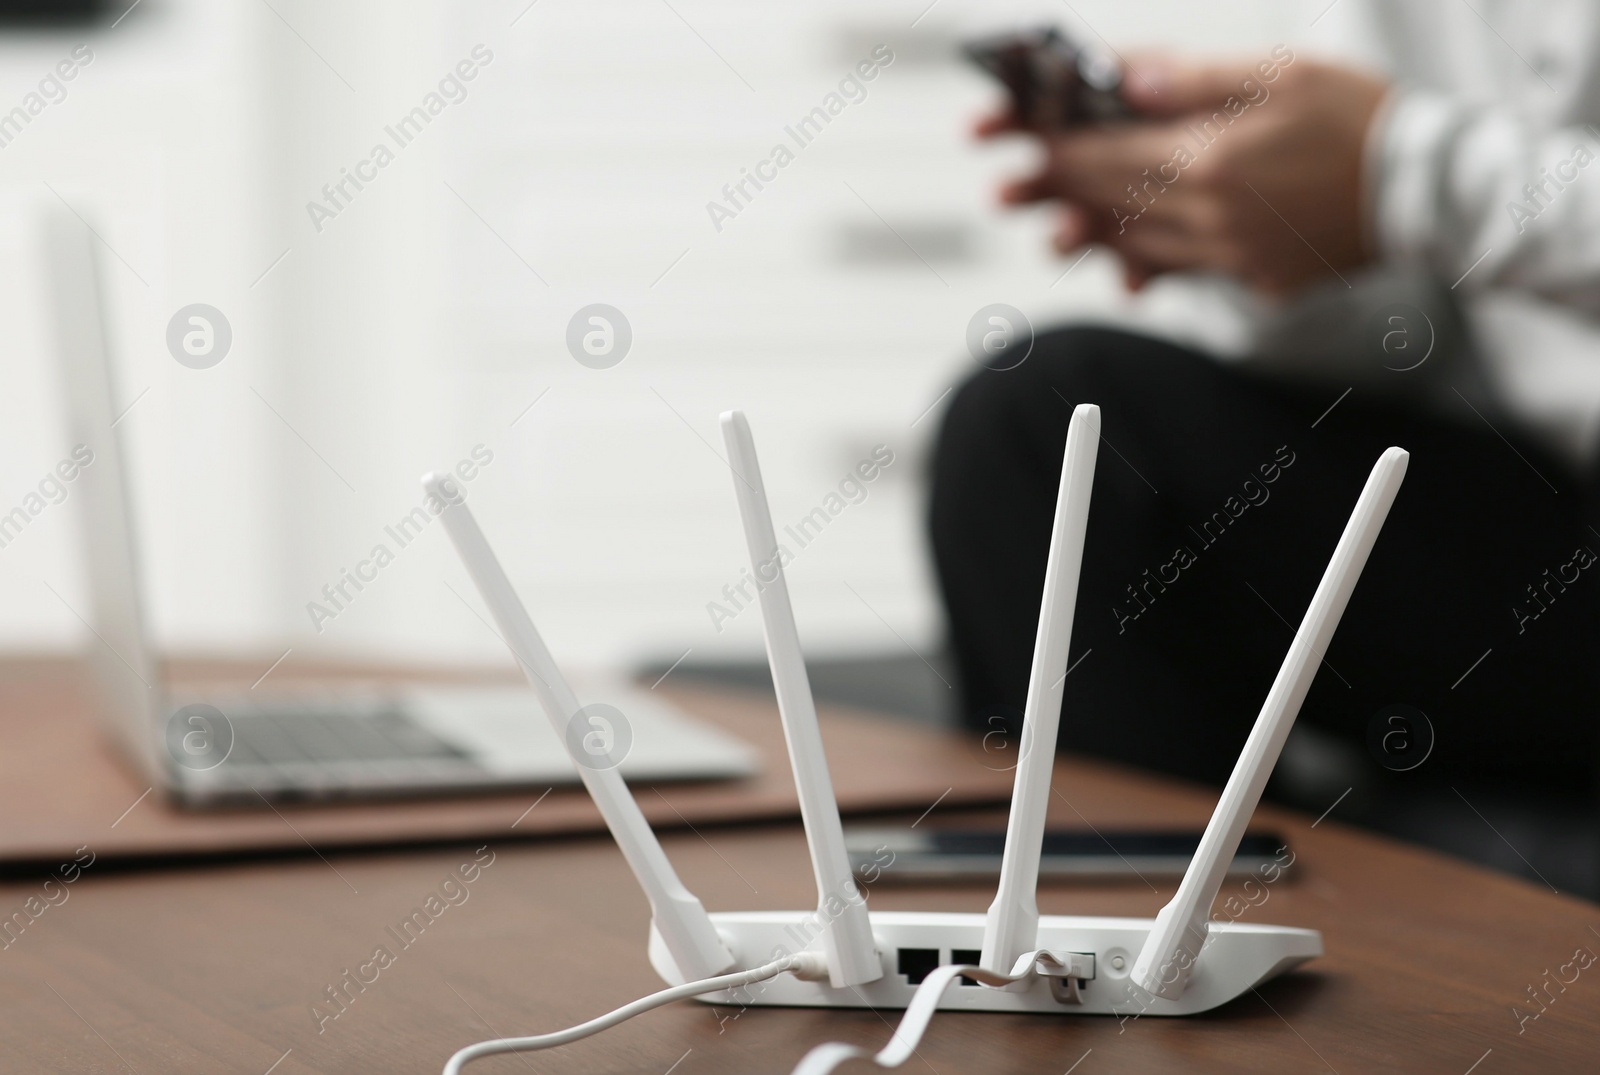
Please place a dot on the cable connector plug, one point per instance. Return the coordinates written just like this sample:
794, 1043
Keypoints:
809, 966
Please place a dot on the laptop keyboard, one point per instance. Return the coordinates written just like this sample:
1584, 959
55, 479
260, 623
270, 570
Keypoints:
309, 750
287, 738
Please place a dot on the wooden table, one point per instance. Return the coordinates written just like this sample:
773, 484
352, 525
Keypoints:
217, 968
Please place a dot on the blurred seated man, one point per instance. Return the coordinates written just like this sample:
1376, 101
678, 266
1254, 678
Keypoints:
1425, 248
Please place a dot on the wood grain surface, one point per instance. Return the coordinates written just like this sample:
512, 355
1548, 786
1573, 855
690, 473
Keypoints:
216, 968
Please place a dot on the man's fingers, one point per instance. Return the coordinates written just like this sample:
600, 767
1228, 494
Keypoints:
1135, 275
1074, 229
1167, 87
1098, 164
1034, 188
1158, 247
996, 124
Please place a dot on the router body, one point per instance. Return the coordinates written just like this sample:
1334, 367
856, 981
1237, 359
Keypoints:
1238, 957
1178, 963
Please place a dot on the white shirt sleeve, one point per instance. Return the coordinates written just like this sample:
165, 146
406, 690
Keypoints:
1485, 200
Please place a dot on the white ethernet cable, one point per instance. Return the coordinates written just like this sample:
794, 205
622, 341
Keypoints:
809, 966
908, 1035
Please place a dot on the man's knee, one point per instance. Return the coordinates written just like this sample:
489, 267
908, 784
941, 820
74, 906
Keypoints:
1096, 363
1065, 367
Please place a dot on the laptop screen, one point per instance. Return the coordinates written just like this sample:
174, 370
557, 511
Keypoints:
127, 681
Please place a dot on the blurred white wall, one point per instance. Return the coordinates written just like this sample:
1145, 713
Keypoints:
159, 143
425, 316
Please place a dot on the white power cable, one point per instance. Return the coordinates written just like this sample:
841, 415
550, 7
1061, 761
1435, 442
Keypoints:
807, 965
908, 1035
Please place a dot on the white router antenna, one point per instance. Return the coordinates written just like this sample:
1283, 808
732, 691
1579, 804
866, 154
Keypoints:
1012, 926
1179, 931
846, 933
680, 920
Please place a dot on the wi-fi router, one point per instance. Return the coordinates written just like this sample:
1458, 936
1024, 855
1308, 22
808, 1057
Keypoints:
1179, 963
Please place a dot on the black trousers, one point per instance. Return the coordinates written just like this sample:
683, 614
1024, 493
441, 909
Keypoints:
1218, 499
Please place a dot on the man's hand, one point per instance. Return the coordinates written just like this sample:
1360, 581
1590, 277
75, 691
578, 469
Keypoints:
1248, 169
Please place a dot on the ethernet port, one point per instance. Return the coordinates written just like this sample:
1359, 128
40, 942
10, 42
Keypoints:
966, 955
917, 963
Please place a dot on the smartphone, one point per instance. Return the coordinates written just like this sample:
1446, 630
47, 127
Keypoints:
974, 854
1053, 81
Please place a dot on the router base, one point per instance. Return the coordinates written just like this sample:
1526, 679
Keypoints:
1237, 957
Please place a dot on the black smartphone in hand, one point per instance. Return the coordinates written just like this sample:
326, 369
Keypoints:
1053, 81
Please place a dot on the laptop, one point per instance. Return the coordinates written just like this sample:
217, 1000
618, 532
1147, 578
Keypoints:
254, 746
